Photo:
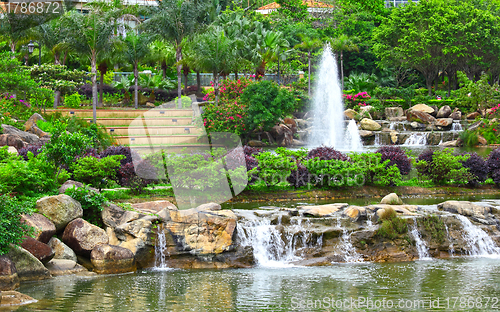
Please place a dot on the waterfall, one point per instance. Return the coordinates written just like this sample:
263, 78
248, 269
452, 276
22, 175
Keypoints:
377, 139
328, 108
161, 250
416, 139
274, 245
423, 251
478, 241
352, 137
456, 126
451, 249
392, 125
346, 248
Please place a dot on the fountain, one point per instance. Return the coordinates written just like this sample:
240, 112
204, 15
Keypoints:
329, 127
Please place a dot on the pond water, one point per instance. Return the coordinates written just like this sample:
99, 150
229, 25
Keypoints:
466, 284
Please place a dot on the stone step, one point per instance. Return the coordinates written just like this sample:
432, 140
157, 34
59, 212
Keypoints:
167, 130
124, 113
150, 122
160, 140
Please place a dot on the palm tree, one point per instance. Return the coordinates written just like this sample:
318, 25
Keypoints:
309, 44
163, 53
174, 20
137, 49
92, 36
341, 44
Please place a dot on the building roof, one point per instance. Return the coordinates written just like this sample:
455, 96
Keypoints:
308, 3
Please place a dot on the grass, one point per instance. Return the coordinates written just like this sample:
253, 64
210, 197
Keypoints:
435, 227
391, 226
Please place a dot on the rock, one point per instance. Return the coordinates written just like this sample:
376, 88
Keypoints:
12, 150
14, 298
150, 105
403, 209
111, 215
255, 143
475, 125
8, 274
70, 183
417, 126
291, 124
282, 134
209, 207
355, 213
199, 232
465, 208
435, 108
60, 209
368, 124
321, 210
61, 250
453, 143
481, 140
38, 249
11, 140
28, 267
58, 267
391, 199
31, 126
350, 113
44, 228
365, 110
456, 115
422, 108
473, 116
419, 116
82, 236
444, 112
138, 237
25, 136
302, 124
155, 206
402, 118
108, 259
393, 112
366, 133
394, 137
444, 122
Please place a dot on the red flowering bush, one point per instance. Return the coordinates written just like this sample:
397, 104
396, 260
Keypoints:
227, 117
228, 89
396, 157
356, 100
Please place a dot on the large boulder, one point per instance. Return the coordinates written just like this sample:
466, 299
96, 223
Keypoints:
13, 298
282, 134
465, 208
444, 112
475, 125
60, 209
350, 113
61, 250
472, 116
422, 108
29, 268
25, 136
456, 115
109, 259
8, 274
38, 249
44, 228
370, 125
420, 116
321, 210
392, 112
58, 267
154, 206
11, 140
82, 237
366, 133
70, 184
355, 213
32, 127
444, 122
391, 199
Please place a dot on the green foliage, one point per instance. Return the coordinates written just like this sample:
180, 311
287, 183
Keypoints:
58, 77
46, 126
445, 168
470, 139
12, 230
13, 76
489, 130
91, 202
391, 226
186, 101
362, 82
72, 101
435, 227
335, 173
377, 172
477, 95
267, 103
273, 168
94, 171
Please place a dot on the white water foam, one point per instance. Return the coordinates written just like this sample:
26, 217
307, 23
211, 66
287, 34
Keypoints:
478, 241
346, 247
423, 251
160, 251
416, 139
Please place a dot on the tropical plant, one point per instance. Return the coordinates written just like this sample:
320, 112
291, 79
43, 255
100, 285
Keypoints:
137, 49
309, 44
341, 44
12, 230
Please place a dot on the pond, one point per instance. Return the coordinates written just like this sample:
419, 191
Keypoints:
467, 284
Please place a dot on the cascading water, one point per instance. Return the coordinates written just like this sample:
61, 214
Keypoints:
377, 139
352, 137
451, 248
456, 126
274, 245
328, 109
161, 250
423, 251
478, 241
416, 139
347, 249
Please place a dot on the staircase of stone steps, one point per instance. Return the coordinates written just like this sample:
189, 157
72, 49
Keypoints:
143, 128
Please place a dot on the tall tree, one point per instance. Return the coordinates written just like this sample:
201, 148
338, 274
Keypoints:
309, 44
265, 45
174, 20
162, 52
341, 44
137, 49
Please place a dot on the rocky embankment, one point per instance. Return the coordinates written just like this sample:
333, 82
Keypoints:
208, 237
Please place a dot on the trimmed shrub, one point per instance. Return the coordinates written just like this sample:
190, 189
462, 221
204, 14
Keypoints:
493, 161
120, 150
299, 177
94, 171
251, 151
396, 156
136, 178
34, 148
91, 202
445, 168
326, 153
477, 167
427, 157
